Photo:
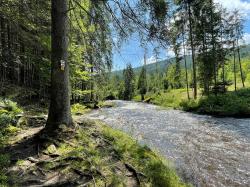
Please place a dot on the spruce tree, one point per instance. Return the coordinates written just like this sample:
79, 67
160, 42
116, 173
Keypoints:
129, 87
142, 83
59, 110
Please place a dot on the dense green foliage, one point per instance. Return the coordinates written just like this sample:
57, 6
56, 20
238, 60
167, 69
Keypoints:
26, 45
129, 84
9, 127
8, 119
142, 82
235, 104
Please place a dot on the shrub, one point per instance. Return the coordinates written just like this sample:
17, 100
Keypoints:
12, 107
6, 119
189, 105
78, 109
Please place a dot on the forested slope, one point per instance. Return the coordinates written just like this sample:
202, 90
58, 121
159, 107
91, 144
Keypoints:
161, 66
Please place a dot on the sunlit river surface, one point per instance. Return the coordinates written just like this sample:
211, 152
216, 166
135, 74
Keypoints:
205, 150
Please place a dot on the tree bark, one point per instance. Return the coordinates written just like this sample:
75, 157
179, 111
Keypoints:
59, 110
241, 72
142, 97
185, 60
213, 44
193, 53
235, 79
3, 45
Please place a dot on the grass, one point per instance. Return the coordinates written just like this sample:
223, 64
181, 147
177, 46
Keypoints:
234, 104
158, 170
168, 98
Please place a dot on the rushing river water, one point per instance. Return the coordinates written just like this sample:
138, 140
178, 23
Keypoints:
206, 151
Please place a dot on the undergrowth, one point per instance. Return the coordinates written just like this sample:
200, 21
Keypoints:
8, 127
79, 109
232, 103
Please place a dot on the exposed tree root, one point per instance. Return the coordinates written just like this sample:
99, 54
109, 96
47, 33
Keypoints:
33, 164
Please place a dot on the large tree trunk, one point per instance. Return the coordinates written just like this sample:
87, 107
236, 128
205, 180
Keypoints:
185, 61
193, 52
3, 45
213, 40
142, 97
59, 111
241, 71
235, 79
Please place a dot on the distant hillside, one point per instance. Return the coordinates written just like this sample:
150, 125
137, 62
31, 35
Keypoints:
161, 66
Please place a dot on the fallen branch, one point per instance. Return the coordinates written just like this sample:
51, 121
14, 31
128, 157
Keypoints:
135, 173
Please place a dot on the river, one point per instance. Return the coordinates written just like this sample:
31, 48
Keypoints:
206, 151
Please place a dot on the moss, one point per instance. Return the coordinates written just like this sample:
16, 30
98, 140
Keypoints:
3, 111
65, 148
51, 149
20, 162
12, 129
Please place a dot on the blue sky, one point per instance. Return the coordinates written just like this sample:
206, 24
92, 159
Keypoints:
132, 52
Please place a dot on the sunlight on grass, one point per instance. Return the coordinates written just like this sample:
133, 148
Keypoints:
79, 109
141, 157
230, 103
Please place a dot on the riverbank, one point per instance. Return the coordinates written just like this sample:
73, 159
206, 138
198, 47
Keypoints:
230, 104
93, 154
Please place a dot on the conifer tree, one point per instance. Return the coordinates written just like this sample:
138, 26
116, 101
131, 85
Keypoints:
129, 86
142, 82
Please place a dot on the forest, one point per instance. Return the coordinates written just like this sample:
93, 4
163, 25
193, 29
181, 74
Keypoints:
68, 117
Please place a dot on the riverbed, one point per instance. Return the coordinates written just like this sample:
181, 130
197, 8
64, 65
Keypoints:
206, 151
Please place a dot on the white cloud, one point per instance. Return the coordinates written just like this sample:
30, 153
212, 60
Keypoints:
243, 6
246, 38
150, 60
170, 53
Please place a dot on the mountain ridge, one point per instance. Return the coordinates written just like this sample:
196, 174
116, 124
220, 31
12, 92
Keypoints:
161, 66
